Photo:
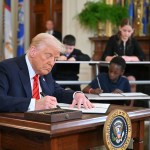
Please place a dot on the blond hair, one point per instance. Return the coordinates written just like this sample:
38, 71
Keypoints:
47, 40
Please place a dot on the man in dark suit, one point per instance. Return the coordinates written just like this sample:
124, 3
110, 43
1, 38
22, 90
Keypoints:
50, 30
16, 79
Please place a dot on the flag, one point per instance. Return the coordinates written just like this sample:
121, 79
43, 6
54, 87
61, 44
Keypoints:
145, 17
8, 46
20, 35
131, 10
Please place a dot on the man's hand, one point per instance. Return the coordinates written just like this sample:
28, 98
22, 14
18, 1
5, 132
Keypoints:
72, 59
130, 58
96, 91
80, 99
62, 58
117, 91
46, 102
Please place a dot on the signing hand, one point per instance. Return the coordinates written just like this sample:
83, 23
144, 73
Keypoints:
117, 91
80, 99
46, 102
96, 91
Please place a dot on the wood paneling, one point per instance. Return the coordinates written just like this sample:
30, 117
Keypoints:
57, 14
41, 11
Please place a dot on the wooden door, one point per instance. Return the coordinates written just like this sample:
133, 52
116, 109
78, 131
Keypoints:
56, 14
41, 11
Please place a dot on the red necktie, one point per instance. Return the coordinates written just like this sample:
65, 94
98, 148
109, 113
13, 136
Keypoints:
35, 92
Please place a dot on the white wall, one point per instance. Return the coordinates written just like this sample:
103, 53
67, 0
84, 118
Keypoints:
71, 26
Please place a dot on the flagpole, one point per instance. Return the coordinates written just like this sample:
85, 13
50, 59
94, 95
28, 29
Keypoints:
8, 46
20, 35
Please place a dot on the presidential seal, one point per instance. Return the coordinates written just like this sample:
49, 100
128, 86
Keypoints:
117, 130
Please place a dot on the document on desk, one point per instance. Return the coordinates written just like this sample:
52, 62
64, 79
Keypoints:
123, 94
134, 94
118, 96
99, 108
110, 94
115, 95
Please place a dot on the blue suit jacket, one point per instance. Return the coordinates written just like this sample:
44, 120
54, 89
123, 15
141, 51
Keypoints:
15, 86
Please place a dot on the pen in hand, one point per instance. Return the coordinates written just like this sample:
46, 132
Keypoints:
98, 82
43, 95
101, 91
115, 54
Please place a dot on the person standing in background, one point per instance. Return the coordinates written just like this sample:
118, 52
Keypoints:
69, 72
50, 30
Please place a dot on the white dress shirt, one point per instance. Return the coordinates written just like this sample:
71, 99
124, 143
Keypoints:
31, 75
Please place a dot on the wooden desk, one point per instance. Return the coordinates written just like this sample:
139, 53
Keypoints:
16, 133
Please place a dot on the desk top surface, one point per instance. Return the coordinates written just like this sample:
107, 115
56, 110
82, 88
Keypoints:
17, 121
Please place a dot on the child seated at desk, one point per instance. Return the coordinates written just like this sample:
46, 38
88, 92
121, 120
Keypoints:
111, 82
125, 45
69, 72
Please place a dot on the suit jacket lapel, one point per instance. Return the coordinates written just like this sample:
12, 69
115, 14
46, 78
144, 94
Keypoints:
44, 86
24, 76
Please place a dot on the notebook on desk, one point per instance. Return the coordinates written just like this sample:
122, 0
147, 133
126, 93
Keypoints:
122, 94
118, 96
134, 94
110, 94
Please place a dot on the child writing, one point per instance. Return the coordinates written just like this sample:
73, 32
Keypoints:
111, 82
123, 44
69, 72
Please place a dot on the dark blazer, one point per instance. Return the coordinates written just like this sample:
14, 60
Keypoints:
69, 71
58, 35
15, 87
115, 46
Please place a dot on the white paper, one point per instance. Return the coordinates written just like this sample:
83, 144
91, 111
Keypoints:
134, 94
118, 96
99, 108
110, 94
115, 94
92, 96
